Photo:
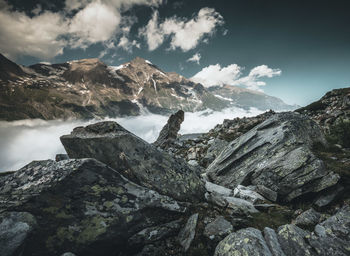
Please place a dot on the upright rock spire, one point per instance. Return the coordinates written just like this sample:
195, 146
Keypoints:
170, 131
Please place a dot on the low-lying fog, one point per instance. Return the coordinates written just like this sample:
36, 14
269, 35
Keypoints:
24, 141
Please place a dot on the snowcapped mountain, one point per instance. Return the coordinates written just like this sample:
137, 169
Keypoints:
89, 88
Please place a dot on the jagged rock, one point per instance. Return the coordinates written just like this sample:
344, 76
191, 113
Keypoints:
277, 154
211, 187
247, 241
60, 157
266, 192
187, 234
292, 240
82, 205
152, 234
329, 196
308, 218
169, 133
218, 228
272, 242
15, 227
240, 206
216, 199
139, 161
247, 194
332, 237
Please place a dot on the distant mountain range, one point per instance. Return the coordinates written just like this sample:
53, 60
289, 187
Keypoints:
88, 88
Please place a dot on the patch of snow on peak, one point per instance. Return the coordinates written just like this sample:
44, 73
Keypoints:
148, 62
115, 68
223, 98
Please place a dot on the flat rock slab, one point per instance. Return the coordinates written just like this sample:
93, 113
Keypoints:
136, 159
277, 154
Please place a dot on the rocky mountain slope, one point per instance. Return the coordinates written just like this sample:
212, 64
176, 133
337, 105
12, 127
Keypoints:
88, 88
269, 189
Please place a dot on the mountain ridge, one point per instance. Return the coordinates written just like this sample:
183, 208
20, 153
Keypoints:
88, 88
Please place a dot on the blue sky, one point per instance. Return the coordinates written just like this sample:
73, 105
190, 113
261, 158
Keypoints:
295, 50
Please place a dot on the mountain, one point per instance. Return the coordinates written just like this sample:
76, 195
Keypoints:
242, 97
88, 88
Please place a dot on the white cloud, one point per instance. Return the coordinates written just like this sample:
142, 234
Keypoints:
37, 36
80, 24
97, 22
214, 75
195, 58
184, 34
127, 45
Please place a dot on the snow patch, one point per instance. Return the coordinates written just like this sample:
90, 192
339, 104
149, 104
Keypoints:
223, 98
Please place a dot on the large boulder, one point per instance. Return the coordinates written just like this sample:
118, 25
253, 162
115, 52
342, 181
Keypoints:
169, 133
81, 206
15, 227
136, 159
277, 154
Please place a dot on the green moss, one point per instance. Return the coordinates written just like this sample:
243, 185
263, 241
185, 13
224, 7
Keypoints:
274, 218
92, 228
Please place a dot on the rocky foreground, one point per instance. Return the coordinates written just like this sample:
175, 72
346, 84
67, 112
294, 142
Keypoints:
275, 184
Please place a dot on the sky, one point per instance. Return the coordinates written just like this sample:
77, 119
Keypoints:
295, 50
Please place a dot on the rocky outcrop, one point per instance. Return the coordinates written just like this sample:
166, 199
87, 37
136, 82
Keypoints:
187, 234
277, 154
330, 237
81, 206
169, 133
136, 159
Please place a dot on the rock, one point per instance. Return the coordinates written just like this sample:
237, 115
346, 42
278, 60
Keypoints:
292, 240
152, 234
211, 187
169, 133
277, 154
193, 163
60, 157
248, 241
136, 159
187, 234
272, 242
218, 228
266, 192
308, 218
68, 254
15, 228
332, 236
82, 205
240, 206
249, 195
329, 196
216, 199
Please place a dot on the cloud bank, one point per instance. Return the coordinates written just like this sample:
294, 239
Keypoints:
215, 75
24, 141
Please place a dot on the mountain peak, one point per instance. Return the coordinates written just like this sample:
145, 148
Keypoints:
9, 70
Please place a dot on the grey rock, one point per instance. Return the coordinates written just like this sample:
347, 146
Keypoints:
218, 228
68, 254
332, 236
188, 233
329, 196
152, 234
272, 242
247, 241
308, 218
277, 154
60, 157
211, 187
292, 240
169, 133
240, 206
266, 192
15, 227
249, 195
136, 159
216, 199
80, 203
